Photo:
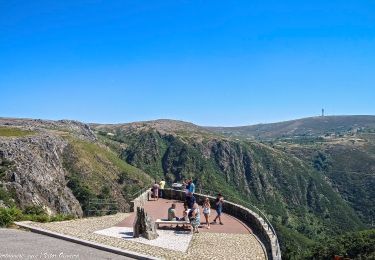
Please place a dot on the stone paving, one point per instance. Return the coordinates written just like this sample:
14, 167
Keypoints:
202, 245
225, 246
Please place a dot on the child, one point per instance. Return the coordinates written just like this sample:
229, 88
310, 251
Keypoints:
207, 211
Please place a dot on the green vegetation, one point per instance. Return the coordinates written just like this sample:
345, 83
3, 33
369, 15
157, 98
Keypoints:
6, 197
14, 132
355, 245
32, 213
96, 172
294, 195
294, 245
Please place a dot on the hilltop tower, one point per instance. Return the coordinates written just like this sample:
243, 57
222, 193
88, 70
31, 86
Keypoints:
322, 112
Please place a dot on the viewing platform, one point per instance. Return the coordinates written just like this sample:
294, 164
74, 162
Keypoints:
235, 239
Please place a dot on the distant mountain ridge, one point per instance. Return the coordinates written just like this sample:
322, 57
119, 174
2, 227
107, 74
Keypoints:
311, 126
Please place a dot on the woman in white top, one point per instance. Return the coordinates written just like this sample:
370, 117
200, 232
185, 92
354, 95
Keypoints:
207, 211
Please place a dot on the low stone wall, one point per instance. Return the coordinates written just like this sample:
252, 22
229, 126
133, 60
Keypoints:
140, 200
247, 216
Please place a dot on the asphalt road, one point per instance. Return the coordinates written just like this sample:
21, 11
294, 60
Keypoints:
19, 244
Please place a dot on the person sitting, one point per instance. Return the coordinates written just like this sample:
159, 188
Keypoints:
190, 200
172, 213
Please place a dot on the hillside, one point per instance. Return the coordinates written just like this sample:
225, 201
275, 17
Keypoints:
309, 127
296, 197
60, 165
341, 148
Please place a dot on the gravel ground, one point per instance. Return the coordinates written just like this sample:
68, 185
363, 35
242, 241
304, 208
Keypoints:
202, 245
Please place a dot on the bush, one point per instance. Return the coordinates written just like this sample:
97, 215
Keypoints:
34, 210
31, 213
6, 198
5, 217
9, 215
38, 218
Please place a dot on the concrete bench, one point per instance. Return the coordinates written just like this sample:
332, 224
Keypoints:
171, 222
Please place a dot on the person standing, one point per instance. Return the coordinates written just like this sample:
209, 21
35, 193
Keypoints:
162, 185
194, 216
219, 208
155, 190
187, 186
191, 186
190, 200
207, 211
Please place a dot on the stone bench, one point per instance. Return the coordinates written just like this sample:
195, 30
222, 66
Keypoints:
171, 222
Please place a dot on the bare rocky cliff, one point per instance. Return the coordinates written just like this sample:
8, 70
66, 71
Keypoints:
36, 175
33, 152
62, 167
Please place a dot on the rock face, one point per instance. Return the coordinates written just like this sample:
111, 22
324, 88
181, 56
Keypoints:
37, 176
34, 175
144, 225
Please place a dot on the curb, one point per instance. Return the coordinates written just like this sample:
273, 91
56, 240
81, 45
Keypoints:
111, 249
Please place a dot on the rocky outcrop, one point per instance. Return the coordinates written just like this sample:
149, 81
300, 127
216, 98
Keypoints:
37, 176
144, 226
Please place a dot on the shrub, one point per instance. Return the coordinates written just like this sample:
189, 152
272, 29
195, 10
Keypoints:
9, 215
6, 197
34, 210
5, 217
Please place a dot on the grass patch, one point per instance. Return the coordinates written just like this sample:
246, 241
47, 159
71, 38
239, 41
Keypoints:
14, 132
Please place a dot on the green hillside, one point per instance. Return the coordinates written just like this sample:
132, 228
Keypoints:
295, 195
97, 172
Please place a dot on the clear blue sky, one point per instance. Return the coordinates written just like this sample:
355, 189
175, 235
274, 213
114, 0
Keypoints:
207, 62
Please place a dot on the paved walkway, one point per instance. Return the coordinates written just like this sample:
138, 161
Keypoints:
233, 240
19, 244
159, 209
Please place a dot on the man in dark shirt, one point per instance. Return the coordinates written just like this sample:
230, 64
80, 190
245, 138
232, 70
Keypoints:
190, 200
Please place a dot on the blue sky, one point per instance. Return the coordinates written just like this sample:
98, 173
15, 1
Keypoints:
208, 62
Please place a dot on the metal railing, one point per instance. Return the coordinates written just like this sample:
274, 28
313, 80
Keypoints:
139, 192
101, 206
248, 205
